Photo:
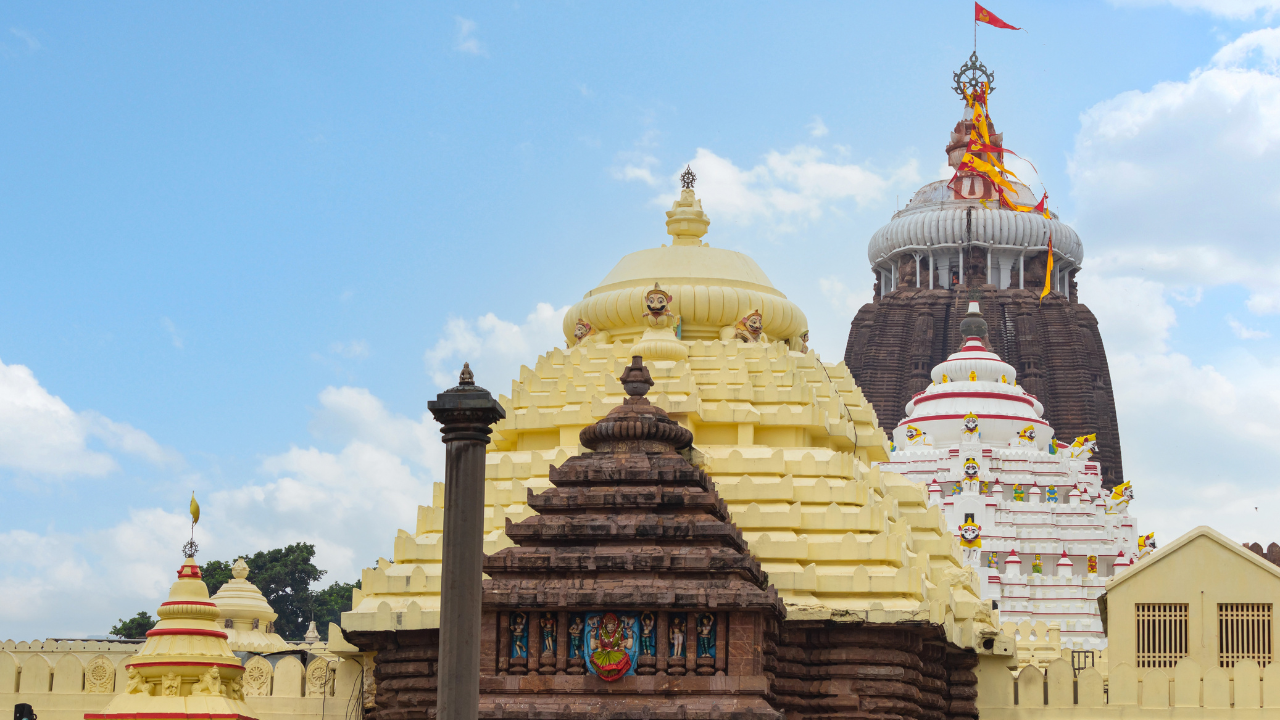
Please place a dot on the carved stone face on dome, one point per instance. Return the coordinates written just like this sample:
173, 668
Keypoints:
656, 302
970, 424
582, 329
971, 469
755, 323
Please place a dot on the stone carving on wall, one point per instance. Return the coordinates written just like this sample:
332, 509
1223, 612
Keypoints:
100, 675
170, 685
209, 683
318, 677
257, 677
137, 685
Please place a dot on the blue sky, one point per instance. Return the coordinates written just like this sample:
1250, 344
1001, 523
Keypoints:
244, 244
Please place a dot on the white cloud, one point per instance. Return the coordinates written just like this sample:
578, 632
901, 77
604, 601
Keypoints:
1234, 9
817, 128
794, 185
1178, 182
1174, 413
41, 435
1245, 333
31, 42
494, 347
842, 299
466, 39
636, 166
352, 349
174, 337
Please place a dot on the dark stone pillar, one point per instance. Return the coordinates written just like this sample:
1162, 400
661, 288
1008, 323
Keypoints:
465, 412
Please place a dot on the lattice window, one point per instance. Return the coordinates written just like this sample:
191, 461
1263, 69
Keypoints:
1244, 633
1162, 634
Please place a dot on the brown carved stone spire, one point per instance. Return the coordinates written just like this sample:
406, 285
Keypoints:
630, 568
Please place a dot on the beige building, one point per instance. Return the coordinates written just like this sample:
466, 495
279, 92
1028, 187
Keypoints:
1203, 596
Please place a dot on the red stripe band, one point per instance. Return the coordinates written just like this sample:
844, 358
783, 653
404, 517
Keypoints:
187, 631
998, 396
911, 421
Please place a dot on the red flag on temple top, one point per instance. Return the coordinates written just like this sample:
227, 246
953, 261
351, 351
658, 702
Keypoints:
981, 14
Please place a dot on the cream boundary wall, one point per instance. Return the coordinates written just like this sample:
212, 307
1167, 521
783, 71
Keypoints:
64, 680
1202, 568
1184, 693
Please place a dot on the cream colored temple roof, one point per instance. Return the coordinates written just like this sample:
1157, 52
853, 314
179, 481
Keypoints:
244, 614
789, 440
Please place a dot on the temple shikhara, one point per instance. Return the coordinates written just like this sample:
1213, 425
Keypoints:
980, 237
685, 513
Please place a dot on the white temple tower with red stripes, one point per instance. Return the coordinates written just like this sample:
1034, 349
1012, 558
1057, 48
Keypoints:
1029, 511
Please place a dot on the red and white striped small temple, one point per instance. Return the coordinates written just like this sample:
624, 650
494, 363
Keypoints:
1030, 512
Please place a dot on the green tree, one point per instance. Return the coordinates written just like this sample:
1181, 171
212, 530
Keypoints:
285, 575
136, 626
329, 604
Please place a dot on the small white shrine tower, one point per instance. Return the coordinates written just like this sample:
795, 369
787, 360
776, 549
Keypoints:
1029, 511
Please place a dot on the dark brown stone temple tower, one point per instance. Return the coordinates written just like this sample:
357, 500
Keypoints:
954, 242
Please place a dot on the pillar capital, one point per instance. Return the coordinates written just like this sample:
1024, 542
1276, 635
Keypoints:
466, 411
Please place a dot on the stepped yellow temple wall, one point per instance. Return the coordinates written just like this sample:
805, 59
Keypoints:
790, 441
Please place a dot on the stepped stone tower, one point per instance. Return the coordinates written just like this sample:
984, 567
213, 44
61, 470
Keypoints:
953, 243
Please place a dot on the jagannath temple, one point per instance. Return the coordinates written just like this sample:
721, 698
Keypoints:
1030, 511
761, 434
983, 235
685, 513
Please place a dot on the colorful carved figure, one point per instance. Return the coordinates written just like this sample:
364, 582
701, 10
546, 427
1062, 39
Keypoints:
548, 623
971, 427
582, 331
646, 634
609, 643
971, 539
991, 562
706, 635
677, 637
1146, 545
1004, 380
1027, 436
944, 378
1036, 565
1121, 496
575, 637
1093, 564
519, 635
971, 469
916, 436
1019, 493
973, 376
1051, 494
657, 305
749, 329
984, 487
1083, 447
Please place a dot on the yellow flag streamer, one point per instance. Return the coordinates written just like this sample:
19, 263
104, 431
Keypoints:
195, 510
987, 169
1048, 269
